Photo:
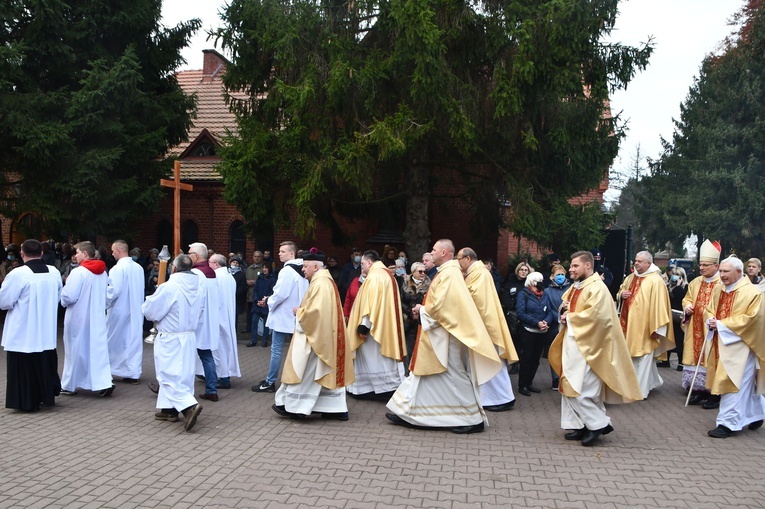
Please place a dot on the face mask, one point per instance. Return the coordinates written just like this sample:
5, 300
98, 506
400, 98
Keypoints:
234, 270
540, 286
417, 281
675, 277
400, 272
11, 258
357, 259
134, 258
560, 279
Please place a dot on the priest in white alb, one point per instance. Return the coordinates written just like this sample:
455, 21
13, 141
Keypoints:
124, 297
319, 364
226, 355
86, 353
376, 328
208, 328
646, 320
735, 351
590, 354
176, 307
496, 394
30, 294
452, 357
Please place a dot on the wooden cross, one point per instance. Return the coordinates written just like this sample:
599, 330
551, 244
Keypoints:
176, 184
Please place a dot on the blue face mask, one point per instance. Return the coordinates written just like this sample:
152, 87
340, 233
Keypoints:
11, 258
134, 258
675, 277
357, 259
234, 269
400, 272
560, 279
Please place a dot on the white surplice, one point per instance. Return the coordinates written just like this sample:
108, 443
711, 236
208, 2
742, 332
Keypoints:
32, 303
208, 328
308, 396
226, 355
124, 296
176, 308
587, 409
449, 399
498, 390
86, 354
373, 371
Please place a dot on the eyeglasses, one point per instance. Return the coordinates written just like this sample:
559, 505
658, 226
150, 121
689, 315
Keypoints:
420, 271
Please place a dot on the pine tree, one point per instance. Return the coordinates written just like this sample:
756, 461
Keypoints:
89, 107
362, 107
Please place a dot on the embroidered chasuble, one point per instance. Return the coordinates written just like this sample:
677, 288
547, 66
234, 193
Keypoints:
645, 312
484, 293
594, 323
320, 316
448, 303
379, 299
741, 312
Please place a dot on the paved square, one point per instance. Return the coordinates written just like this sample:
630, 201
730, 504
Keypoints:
110, 452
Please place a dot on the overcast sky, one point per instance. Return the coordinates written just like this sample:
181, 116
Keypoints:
684, 31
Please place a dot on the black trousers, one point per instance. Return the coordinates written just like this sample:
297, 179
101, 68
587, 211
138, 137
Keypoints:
531, 351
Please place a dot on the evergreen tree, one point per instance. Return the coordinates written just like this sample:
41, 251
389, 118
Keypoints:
710, 179
89, 106
355, 105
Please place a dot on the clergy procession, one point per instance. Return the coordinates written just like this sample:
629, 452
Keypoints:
329, 343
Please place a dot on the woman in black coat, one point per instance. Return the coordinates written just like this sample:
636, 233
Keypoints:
536, 316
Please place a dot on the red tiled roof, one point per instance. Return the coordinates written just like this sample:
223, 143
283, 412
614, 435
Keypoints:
212, 114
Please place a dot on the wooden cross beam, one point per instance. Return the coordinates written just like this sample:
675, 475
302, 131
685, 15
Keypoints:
178, 187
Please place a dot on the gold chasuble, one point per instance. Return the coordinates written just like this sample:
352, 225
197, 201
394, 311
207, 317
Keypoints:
320, 316
484, 293
742, 311
379, 299
448, 302
645, 312
699, 295
594, 323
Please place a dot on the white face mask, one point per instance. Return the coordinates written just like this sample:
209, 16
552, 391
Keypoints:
417, 281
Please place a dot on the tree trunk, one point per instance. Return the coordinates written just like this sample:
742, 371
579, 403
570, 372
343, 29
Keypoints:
417, 232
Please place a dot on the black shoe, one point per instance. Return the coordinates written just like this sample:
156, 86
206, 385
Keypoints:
524, 391
395, 419
698, 398
279, 409
105, 393
134, 381
663, 364
465, 430
720, 432
590, 437
223, 386
504, 407
201, 377
679, 367
266, 344
576, 434
555, 384
264, 386
533, 389
153, 387
712, 402
755, 425
513, 370
335, 416
251, 344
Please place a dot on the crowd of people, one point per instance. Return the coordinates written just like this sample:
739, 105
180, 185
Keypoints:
436, 340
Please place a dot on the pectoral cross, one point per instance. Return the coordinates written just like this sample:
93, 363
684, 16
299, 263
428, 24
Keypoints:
178, 187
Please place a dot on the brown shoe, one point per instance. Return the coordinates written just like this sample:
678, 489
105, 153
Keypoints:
154, 387
167, 415
191, 415
209, 396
